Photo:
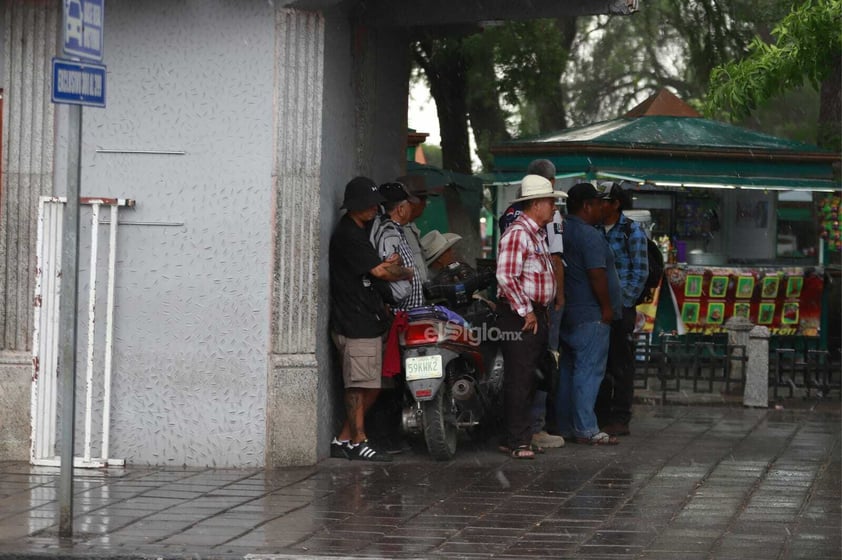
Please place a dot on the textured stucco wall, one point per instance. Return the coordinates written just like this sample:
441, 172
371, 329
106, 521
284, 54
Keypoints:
192, 287
2, 43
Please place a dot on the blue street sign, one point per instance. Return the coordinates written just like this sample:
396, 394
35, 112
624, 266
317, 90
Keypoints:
83, 28
78, 83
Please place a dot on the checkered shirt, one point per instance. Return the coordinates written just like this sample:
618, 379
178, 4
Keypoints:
393, 240
630, 257
524, 269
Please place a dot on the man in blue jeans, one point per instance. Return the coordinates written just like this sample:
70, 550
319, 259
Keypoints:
628, 243
593, 301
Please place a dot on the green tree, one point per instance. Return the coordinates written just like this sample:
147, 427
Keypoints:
807, 48
503, 80
544, 75
618, 61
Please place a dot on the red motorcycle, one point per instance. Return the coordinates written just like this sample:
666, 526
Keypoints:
453, 367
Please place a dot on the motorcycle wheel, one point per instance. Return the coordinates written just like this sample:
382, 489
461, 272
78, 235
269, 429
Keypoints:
439, 433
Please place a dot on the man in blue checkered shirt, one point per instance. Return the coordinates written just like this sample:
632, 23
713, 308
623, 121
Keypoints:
388, 237
628, 243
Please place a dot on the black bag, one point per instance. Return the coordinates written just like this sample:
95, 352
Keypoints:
656, 265
546, 374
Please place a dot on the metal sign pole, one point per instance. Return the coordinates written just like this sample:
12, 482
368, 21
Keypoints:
68, 318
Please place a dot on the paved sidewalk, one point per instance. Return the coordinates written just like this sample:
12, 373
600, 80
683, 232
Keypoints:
690, 483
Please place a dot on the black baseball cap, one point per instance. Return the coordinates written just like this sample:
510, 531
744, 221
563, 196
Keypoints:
613, 191
584, 191
361, 193
395, 191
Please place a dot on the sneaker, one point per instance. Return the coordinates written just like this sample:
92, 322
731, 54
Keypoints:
601, 438
616, 429
543, 439
340, 449
364, 452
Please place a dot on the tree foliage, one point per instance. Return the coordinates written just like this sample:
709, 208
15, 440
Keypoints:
504, 73
527, 78
618, 61
807, 47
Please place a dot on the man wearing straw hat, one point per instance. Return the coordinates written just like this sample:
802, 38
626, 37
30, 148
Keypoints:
543, 407
526, 288
438, 250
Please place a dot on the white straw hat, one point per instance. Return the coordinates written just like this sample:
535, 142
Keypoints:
435, 243
535, 186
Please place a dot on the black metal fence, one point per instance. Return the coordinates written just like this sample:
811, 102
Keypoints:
708, 364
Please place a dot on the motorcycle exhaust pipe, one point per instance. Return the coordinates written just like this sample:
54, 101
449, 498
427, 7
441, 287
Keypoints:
411, 420
463, 389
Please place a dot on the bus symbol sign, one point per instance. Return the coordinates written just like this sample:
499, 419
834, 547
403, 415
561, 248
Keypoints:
83, 28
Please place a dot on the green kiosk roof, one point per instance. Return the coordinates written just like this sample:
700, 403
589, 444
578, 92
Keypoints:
664, 141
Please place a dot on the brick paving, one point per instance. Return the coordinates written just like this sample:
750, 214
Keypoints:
691, 482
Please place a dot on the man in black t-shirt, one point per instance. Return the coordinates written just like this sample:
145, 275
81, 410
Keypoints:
358, 316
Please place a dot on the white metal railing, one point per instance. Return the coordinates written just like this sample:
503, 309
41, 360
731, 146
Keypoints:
45, 379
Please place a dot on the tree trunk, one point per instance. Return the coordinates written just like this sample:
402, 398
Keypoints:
444, 65
449, 94
488, 121
829, 133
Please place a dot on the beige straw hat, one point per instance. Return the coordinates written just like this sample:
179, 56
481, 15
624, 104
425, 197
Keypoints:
435, 243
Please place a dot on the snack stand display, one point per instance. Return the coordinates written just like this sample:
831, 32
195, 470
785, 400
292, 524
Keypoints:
786, 300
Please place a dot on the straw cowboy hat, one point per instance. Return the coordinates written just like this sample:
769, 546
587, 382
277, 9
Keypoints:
435, 243
535, 186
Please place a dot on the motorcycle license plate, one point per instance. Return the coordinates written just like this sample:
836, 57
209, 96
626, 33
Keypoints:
423, 367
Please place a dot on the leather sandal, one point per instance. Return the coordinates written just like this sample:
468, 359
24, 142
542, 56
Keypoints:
523, 452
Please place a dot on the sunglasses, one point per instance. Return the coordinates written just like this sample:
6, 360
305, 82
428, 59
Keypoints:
393, 186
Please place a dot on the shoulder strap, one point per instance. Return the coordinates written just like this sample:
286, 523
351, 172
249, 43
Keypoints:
379, 229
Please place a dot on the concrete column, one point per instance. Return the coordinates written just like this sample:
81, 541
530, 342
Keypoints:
756, 391
738, 329
31, 34
293, 399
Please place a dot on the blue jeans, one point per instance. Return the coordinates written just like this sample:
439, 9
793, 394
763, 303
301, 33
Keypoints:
584, 352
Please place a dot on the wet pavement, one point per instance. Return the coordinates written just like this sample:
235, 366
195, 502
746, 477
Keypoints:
691, 482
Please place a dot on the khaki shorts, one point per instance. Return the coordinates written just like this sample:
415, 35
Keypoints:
362, 361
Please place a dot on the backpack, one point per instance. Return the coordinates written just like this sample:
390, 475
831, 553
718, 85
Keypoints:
383, 237
656, 265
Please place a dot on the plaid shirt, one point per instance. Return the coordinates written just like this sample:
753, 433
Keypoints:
630, 257
524, 269
392, 239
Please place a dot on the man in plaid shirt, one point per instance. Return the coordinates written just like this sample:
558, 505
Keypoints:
543, 407
526, 287
628, 243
